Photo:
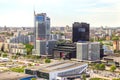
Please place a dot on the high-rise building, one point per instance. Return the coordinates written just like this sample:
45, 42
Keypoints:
41, 33
80, 32
82, 51
42, 26
40, 47
88, 51
94, 51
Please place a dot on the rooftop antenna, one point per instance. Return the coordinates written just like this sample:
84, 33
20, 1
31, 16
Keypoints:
34, 10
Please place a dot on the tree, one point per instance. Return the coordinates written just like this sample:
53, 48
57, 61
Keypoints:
33, 79
113, 68
4, 55
0, 54
17, 54
83, 76
61, 41
116, 79
29, 48
47, 60
102, 66
114, 38
97, 66
91, 39
97, 79
14, 57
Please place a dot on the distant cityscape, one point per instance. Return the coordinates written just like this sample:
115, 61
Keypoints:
42, 52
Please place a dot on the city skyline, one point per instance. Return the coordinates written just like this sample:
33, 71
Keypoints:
62, 12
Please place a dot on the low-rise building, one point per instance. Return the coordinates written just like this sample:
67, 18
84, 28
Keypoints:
61, 70
17, 48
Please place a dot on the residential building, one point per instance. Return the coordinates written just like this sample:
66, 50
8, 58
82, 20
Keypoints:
17, 48
116, 45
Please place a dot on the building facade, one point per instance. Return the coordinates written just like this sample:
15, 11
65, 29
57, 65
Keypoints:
17, 48
80, 32
59, 71
88, 51
41, 33
82, 51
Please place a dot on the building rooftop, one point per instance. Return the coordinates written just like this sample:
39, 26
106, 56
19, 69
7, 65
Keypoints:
12, 75
115, 58
62, 65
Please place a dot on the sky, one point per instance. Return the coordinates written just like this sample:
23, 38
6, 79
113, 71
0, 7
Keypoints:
62, 12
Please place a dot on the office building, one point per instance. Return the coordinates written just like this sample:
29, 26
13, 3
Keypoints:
82, 51
94, 51
50, 46
42, 26
65, 51
40, 47
41, 33
88, 51
80, 32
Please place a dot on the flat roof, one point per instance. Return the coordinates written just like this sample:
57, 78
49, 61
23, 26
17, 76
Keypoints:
61, 65
115, 58
12, 75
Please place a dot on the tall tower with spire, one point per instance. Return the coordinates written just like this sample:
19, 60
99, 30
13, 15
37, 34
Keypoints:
41, 32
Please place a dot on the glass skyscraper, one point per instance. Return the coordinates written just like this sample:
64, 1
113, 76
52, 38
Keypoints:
42, 26
41, 32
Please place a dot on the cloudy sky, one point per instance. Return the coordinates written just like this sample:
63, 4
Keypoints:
62, 12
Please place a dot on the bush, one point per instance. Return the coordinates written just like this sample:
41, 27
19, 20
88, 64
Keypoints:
112, 68
33, 79
116, 79
100, 66
97, 66
4, 55
83, 76
14, 57
97, 79
47, 60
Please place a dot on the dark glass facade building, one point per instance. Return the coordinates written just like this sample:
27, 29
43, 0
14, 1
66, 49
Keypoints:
80, 32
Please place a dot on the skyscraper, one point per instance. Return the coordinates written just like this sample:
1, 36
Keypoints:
42, 26
80, 32
41, 32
